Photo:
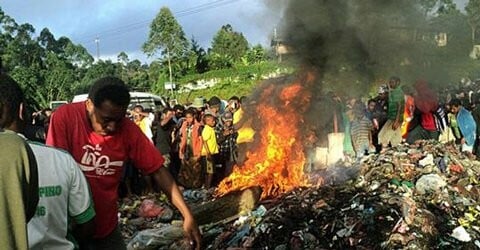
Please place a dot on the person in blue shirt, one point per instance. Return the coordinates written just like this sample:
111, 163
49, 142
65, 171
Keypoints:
466, 123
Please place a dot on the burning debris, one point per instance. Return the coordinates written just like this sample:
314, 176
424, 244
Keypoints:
277, 160
421, 196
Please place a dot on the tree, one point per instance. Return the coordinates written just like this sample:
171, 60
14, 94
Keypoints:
446, 7
98, 70
254, 55
77, 55
167, 37
122, 58
47, 69
156, 76
29, 80
427, 5
138, 76
122, 62
453, 56
200, 57
228, 47
21, 49
47, 40
59, 77
473, 14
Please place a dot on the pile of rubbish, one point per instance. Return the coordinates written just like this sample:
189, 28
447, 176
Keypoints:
421, 196
150, 222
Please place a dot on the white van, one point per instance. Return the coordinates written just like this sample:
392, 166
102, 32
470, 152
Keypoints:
149, 101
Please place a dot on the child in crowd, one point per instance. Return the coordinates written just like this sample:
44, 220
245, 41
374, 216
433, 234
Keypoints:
361, 132
209, 148
227, 141
190, 150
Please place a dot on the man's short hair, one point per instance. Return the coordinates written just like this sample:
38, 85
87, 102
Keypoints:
395, 79
208, 116
191, 111
138, 106
166, 109
109, 88
214, 100
234, 98
455, 102
179, 107
11, 96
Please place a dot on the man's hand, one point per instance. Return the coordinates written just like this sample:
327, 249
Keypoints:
462, 141
192, 232
168, 185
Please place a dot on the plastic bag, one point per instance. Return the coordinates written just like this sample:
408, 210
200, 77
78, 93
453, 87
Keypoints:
156, 238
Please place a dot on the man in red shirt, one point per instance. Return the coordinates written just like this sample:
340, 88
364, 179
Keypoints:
101, 139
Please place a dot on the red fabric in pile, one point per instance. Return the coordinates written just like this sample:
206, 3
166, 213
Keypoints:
149, 209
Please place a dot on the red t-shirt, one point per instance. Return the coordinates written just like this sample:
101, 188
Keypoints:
102, 158
428, 121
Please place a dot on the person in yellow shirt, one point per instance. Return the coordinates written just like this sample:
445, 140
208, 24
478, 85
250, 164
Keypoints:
243, 125
144, 120
209, 149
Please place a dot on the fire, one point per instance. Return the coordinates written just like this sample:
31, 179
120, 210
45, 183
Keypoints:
276, 163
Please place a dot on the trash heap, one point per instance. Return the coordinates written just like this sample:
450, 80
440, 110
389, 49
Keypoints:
150, 222
421, 196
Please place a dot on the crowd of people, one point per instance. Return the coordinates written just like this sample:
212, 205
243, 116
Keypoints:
409, 113
106, 151
198, 141
201, 141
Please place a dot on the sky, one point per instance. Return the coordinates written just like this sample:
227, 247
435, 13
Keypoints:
123, 25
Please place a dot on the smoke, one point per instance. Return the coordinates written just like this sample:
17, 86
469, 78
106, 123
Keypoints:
352, 43
348, 45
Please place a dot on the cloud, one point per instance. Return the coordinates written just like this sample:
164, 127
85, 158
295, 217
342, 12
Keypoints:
123, 25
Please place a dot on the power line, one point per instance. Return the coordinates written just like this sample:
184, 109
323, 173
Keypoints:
136, 25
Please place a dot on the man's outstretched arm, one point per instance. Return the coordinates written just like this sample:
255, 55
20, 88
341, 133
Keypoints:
167, 184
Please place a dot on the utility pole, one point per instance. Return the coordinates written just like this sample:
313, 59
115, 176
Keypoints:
97, 41
277, 45
170, 66
170, 72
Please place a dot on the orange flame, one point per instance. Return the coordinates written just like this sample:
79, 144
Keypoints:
276, 164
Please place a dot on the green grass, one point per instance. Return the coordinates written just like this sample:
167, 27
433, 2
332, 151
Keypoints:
239, 81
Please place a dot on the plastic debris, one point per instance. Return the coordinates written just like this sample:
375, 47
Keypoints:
461, 234
156, 238
429, 183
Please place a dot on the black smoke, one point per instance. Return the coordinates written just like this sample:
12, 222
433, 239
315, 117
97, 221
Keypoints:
348, 45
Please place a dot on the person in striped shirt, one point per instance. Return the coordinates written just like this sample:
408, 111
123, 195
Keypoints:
361, 132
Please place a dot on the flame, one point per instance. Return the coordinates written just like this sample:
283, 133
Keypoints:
276, 164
